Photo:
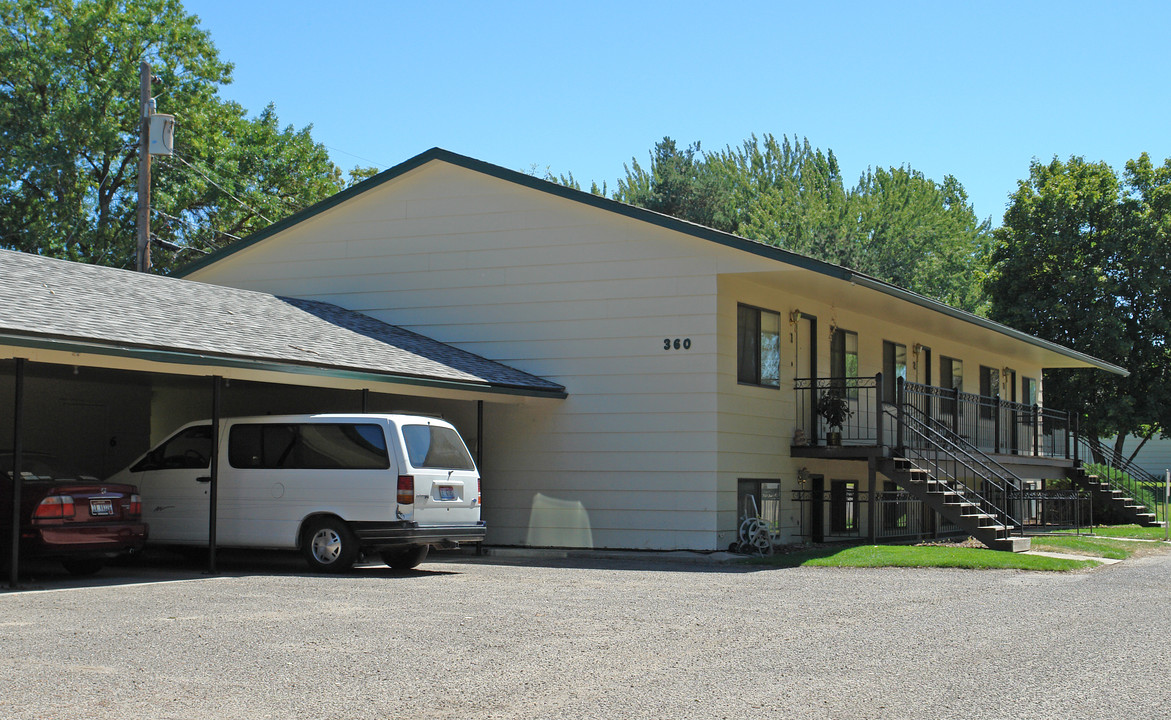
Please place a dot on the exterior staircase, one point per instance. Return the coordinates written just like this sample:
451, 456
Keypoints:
944, 473
1125, 490
1115, 498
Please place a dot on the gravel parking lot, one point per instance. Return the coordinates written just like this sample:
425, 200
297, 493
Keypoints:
501, 637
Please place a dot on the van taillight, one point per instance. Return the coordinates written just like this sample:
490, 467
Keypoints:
479, 496
54, 506
135, 509
406, 489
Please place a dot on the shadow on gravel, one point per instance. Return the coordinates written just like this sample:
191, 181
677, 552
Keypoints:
159, 565
613, 560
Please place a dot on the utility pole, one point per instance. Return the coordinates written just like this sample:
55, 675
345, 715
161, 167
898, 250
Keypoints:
143, 264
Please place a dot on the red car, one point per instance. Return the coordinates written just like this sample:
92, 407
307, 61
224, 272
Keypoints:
69, 516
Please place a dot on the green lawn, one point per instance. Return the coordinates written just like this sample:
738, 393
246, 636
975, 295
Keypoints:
874, 556
1086, 545
1127, 531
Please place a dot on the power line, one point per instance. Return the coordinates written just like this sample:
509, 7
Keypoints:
227, 192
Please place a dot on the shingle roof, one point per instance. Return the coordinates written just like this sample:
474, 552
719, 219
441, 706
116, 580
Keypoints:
49, 299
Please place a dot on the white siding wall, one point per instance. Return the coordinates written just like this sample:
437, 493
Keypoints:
581, 297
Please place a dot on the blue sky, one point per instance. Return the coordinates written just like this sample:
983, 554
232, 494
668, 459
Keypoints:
975, 90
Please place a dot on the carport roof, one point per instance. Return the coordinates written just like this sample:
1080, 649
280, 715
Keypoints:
61, 305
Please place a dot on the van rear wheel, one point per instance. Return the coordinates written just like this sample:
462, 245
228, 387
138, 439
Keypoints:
405, 559
329, 546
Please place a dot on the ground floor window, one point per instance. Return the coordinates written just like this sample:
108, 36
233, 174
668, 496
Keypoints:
759, 498
843, 506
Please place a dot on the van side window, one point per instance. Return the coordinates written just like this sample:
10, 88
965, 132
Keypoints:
435, 446
308, 446
189, 449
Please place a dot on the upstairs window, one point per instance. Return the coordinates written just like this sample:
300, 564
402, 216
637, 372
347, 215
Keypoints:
989, 388
951, 373
843, 360
758, 346
894, 366
1029, 391
951, 377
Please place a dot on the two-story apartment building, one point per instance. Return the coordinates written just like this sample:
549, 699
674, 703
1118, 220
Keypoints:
692, 362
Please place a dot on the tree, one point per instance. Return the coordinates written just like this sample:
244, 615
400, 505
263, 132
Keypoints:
1082, 260
69, 119
894, 223
678, 184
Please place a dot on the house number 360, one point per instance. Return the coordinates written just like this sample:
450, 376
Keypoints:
676, 344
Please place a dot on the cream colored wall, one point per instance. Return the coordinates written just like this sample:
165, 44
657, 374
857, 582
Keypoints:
581, 297
756, 424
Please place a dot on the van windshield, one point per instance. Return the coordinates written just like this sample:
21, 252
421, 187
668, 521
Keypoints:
435, 446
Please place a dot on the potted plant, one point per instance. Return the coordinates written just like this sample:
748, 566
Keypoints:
834, 408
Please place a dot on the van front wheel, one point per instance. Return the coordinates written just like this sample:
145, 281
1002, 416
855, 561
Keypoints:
329, 546
405, 559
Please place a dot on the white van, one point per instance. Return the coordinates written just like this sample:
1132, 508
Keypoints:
331, 486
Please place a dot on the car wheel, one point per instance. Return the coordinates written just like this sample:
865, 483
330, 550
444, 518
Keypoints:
405, 559
82, 566
329, 545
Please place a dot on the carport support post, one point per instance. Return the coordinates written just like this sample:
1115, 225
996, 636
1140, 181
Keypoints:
17, 443
365, 400
213, 501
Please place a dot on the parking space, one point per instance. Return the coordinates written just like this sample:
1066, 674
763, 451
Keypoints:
585, 638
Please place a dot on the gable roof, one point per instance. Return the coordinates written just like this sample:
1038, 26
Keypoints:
755, 247
57, 304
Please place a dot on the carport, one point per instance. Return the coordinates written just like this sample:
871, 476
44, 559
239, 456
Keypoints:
140, 354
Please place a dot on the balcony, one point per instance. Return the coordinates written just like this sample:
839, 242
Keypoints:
993, 425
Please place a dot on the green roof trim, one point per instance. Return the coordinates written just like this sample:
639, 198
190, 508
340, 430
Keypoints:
730, 240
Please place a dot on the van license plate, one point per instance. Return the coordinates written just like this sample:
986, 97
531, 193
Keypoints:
101, 507
446, 492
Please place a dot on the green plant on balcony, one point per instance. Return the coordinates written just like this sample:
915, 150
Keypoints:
834, 408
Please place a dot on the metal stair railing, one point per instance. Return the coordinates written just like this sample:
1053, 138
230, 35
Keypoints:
1005, 477
935, 453
1136, 483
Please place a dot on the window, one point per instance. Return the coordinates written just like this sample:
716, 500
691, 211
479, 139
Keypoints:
189, 449
1029, 391
760, 496
308, 446
843, 360
951, 377
989, 388
843, 506
436, 446
894, 366
758, 346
